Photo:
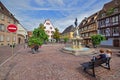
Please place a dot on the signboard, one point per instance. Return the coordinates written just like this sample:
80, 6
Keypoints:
12, 28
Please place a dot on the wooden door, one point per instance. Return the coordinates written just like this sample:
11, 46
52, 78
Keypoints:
116, 43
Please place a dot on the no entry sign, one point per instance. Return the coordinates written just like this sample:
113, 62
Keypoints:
12, 28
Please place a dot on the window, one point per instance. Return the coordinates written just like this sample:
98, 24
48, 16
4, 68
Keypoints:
2, 27
92, 19
48, 31
107, 22
8, 38
14, 38
115, 20
115, 10
116, 30
102, 23
52, 32
1, 38
47, 23
103, 31
103, 15
11, 21
86, 34
8, 19
2, 16
50, 27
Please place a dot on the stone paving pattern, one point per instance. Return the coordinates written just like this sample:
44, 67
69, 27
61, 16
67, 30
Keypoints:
6, 52
52, 64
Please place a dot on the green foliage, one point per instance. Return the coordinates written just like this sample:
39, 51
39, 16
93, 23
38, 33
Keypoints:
41, 26
35, 41
56, 35
38, 37
96, 39
40, 33
66, 39
110, 11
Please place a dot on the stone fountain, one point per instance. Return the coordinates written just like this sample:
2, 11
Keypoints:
76, 47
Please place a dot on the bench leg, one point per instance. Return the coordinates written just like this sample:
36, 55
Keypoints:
93, 72
108, 66
84, 68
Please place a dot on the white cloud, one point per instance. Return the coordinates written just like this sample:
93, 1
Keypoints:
70, 9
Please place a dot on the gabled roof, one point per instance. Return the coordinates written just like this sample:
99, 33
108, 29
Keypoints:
110, 5
5, 11
83, 22
92, 18
89, 20
48, 20
69, 29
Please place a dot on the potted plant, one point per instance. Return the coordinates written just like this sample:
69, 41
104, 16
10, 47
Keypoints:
38, 38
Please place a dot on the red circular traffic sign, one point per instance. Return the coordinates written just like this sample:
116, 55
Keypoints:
12, 28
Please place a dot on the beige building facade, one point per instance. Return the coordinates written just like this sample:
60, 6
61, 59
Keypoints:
6, 37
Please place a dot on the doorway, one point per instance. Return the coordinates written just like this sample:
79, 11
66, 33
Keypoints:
116, 43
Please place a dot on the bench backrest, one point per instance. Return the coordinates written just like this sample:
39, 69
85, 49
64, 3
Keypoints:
101, 61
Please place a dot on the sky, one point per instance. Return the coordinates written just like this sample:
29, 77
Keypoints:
62, 13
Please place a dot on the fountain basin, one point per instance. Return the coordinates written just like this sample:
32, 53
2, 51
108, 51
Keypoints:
76, 52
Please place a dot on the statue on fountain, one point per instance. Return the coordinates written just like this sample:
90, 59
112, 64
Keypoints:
76, 41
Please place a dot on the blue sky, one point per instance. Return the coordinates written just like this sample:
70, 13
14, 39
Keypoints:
62, 13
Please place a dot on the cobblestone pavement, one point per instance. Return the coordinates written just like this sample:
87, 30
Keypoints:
52, 64
6, 52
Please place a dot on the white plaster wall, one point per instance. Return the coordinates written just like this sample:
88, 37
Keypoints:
21, 30
48, 27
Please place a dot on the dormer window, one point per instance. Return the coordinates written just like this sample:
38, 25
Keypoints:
92, 19
103, 15
115, 10
47, 23
84, 22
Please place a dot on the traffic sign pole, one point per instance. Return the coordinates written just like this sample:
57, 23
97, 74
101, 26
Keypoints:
12, 28
12, 45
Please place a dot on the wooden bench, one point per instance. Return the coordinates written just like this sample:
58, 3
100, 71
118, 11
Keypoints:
96, 63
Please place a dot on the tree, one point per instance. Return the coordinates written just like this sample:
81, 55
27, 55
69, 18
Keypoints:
96, 39
38, 37
56, 35
41, 26
40, 33
34, 41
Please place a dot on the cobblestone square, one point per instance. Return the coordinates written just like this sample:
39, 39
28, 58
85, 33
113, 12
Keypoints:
52, 64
